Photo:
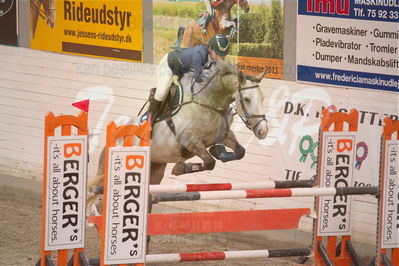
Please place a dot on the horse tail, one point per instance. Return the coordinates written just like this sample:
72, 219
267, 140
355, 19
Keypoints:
180, 33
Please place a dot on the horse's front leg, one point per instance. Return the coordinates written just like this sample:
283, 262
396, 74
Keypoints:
220, 153
232, 142
197, 148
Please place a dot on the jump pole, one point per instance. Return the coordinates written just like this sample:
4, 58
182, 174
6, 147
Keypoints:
265, 193
176, 188
388, 202
64, 189
125, 204
336, 121
222, 255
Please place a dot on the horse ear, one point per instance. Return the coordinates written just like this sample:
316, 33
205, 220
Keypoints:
251, 78
261, 75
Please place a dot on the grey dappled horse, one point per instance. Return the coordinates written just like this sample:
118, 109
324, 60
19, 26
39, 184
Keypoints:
203, 120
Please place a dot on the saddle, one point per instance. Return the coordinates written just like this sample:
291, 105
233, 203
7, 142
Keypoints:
171, 105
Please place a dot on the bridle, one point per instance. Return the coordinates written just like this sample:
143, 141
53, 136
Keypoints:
246, 119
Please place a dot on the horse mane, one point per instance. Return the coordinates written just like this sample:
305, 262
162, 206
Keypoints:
218, 87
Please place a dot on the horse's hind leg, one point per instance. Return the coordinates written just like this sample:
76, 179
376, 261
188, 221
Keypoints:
196, 147
98, 180
187, 39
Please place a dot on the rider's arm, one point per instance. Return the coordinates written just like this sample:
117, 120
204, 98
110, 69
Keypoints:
197, 63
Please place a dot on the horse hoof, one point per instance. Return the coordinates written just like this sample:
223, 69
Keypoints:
240, 153
178, 169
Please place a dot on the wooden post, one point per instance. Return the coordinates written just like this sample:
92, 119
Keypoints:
336, 120
390, 128
127, 132
51, 123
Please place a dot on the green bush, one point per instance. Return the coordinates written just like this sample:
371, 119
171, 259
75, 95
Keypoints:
253, 26
275, 35
252, 49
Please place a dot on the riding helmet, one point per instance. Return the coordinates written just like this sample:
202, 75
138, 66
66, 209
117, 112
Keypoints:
220, 44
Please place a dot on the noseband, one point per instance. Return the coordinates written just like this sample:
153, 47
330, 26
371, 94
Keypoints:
247, 116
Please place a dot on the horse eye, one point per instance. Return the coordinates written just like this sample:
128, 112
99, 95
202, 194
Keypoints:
247, 100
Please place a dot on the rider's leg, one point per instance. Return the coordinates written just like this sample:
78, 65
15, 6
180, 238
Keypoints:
208, 15
208, 6
164, 79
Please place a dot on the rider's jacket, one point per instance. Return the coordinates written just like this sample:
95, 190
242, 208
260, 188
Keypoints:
189, 59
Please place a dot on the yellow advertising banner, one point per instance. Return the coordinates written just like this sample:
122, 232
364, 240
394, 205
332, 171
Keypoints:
108, 29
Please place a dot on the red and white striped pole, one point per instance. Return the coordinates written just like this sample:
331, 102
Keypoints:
264, 193
175, 188
223, 255
230, 186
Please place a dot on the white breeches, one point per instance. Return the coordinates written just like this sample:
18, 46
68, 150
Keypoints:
208, 6
164, 79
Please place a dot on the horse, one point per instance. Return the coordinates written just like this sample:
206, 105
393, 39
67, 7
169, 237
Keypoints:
192, 35
48, 13
203, 120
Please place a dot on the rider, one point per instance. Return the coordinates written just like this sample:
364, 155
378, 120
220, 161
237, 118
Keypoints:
180, 62
210, 5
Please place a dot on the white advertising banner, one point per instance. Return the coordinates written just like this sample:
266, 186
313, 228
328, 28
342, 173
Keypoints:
297, 134
390, 212
336, 171
349, 43
66, 192
127, 205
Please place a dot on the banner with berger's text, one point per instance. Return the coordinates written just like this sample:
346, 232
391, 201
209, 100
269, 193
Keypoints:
337, 170
127, 205
66, 192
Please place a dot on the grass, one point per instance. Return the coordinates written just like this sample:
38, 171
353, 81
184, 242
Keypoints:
178, 9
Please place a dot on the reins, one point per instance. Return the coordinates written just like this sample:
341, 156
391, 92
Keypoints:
221, 112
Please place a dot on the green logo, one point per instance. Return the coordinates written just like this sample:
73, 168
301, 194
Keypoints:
310, 150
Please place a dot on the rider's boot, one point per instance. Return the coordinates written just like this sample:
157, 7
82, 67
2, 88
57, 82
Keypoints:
154, 109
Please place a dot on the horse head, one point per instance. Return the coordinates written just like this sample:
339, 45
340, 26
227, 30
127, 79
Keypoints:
49, 8
243, 4
249, 106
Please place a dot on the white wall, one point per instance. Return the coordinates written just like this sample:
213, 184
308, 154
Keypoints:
34, 82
